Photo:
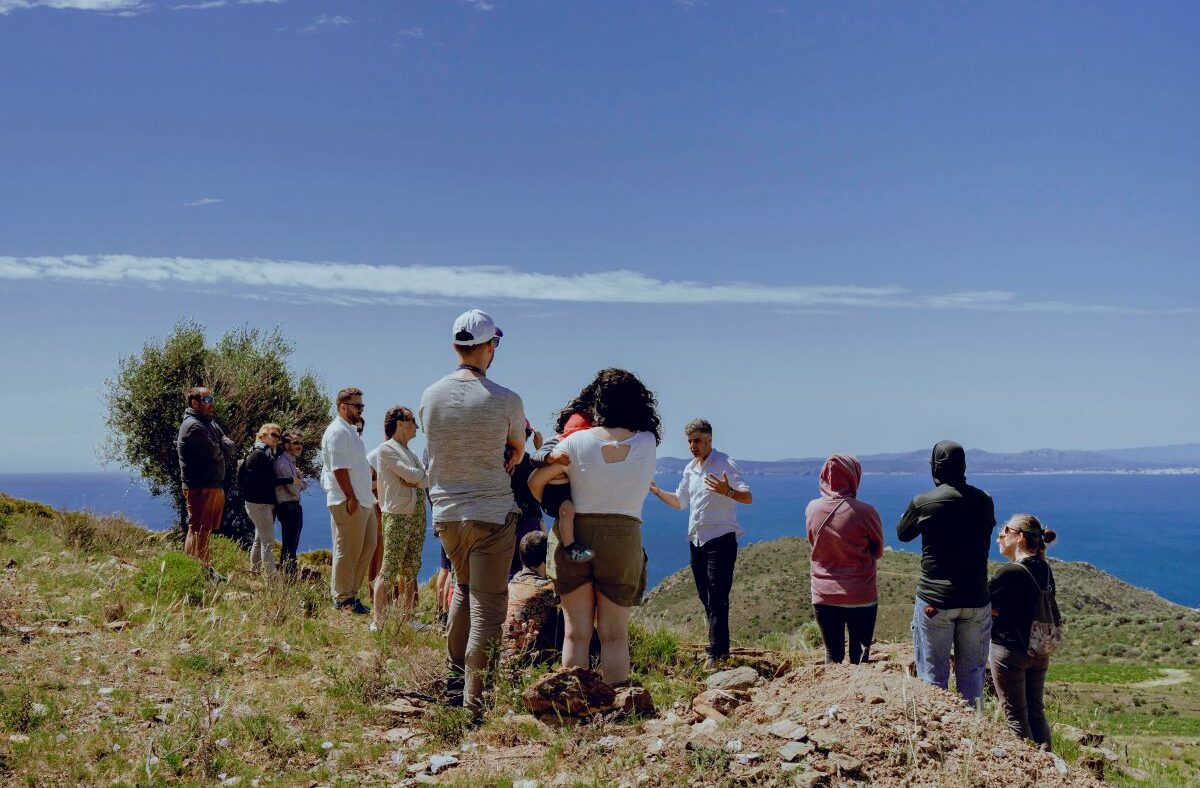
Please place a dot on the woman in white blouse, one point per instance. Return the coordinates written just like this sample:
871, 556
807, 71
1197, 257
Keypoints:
610, 467
402, 481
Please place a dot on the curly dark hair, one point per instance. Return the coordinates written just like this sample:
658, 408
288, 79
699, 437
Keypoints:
624, 401
585, 403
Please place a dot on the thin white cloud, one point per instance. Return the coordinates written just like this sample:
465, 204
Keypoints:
120, 7
481, 5
362, 283
412, 32
202, 6
202, 201
326, 20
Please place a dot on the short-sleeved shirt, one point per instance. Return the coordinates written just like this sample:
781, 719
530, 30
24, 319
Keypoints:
599, 487
710, 514
467, 424
343, 449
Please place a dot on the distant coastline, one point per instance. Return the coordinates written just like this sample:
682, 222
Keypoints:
1176, 460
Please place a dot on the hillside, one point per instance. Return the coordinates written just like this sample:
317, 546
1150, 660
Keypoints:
1109, 620
121, 665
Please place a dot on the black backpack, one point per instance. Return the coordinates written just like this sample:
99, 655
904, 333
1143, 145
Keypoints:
243, 470
1046, 631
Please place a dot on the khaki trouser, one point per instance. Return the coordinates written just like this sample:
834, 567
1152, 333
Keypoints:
480, 554
353, 546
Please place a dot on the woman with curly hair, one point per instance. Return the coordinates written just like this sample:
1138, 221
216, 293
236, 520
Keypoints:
610, 467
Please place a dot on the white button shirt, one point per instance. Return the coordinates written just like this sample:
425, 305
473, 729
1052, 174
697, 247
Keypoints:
343, 449
710, 514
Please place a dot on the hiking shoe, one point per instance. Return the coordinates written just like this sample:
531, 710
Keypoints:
579, 554
374, 627
358, 608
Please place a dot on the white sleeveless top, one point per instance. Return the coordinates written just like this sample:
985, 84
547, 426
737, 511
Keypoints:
599, 487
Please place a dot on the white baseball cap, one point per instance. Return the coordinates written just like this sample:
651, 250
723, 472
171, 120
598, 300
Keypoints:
474, 328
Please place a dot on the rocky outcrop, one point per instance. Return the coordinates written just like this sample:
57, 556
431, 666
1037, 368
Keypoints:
570, 692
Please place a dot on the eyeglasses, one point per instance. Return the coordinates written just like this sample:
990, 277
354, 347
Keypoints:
205, 399
274, 435
360, 405
495, 341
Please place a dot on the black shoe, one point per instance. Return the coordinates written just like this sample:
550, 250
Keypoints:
358, 608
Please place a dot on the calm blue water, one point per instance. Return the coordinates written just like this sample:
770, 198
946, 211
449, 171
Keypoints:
1143, 529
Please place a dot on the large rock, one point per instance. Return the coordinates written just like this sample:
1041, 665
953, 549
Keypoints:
742, 678
570, 692
717, 704
634, 700
1081, 737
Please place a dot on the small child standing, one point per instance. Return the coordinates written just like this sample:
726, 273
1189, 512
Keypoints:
556, 500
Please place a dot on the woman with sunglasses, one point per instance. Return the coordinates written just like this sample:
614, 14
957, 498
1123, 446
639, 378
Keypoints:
402, 485
1015, 591
289, 484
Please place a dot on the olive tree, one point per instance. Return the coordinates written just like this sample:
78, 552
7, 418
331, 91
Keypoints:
248, 373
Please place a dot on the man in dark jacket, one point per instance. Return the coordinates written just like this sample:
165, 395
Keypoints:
203, 450
955, 523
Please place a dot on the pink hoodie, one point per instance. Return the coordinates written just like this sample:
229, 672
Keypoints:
845, 548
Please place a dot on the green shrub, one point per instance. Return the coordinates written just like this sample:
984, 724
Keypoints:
447, 724
13, 507
810, 634
174, 576
650, 651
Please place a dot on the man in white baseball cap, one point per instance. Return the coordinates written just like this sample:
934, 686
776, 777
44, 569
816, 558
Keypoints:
468, 421
475, 327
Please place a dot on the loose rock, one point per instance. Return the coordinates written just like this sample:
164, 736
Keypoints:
570, 692
742, 678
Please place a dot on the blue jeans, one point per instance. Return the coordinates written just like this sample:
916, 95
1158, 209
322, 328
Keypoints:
968, 630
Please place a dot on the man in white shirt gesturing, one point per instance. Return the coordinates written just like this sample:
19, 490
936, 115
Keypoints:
711, 488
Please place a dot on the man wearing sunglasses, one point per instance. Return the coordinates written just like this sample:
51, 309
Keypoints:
346, 477
203, 450
469, 421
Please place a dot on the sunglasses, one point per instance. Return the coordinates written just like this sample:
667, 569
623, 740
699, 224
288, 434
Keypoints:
205, 399
359, 405
274, 435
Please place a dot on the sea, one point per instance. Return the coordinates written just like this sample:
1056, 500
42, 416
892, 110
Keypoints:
1144, 529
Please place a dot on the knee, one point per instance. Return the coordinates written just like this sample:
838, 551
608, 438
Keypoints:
566, 508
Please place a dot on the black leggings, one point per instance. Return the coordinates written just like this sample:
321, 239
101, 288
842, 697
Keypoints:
834, 621
291, 523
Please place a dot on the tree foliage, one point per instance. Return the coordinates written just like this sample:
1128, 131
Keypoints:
252, 383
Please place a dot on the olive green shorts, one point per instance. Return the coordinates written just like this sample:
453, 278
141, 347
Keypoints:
619, 569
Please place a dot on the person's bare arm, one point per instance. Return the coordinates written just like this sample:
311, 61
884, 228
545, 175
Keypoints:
669, 498
543, 476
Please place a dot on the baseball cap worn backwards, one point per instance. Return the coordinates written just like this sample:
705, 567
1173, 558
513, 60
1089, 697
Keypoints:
474, 328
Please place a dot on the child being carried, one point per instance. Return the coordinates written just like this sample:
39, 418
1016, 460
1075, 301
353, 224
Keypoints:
556, 499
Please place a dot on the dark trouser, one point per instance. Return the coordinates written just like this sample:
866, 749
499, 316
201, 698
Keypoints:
1020, 680
291, 523
712, 569
834, 621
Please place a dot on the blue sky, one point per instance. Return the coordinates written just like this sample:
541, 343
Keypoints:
858, 227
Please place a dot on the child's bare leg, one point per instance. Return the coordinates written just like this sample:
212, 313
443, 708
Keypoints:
566, 522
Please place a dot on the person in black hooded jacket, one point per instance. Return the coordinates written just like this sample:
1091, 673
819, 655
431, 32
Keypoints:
952, 612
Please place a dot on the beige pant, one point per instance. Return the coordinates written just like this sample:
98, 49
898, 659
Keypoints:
480, 554
353, 546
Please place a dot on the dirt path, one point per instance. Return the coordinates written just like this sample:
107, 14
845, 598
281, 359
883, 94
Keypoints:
1173, 676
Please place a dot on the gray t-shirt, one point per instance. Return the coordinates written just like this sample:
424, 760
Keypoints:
467, 424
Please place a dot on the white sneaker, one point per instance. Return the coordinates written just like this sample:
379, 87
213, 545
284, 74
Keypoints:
374, 627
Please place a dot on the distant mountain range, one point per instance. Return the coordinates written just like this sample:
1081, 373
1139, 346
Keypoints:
1178, 458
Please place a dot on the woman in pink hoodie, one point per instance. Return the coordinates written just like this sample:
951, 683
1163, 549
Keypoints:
847, 539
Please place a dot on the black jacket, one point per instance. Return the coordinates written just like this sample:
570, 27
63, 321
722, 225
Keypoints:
257, 478
1014, 594
203, 450
955, 523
